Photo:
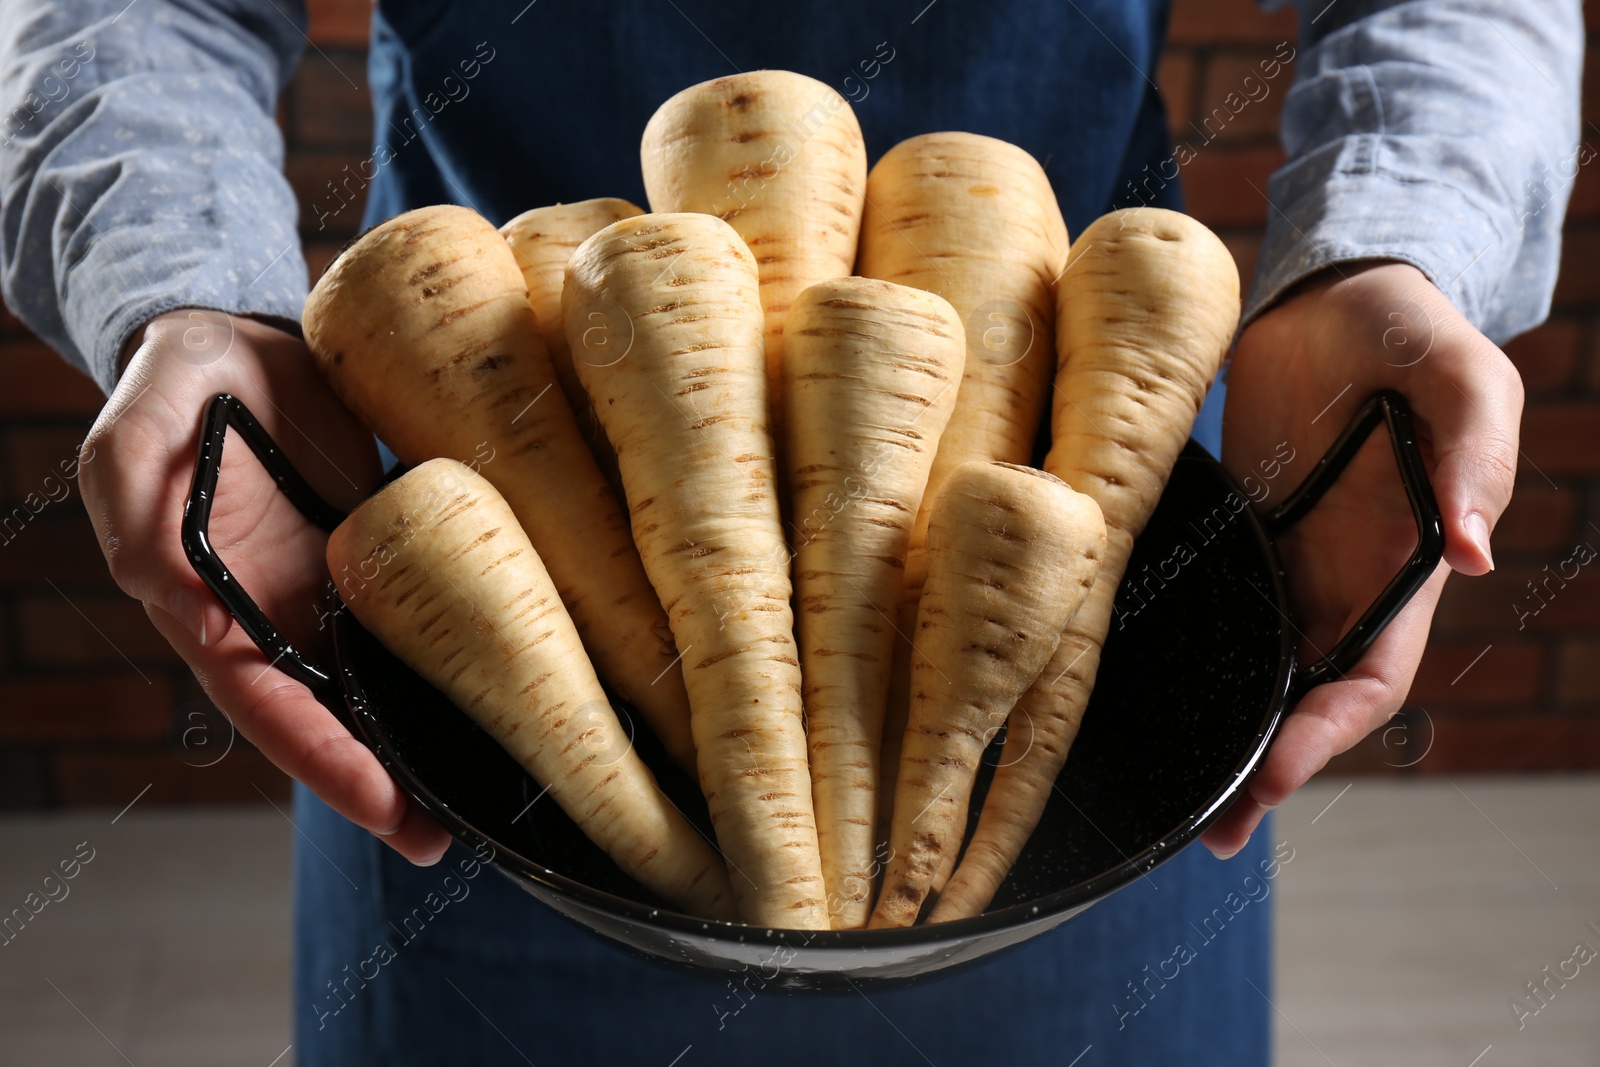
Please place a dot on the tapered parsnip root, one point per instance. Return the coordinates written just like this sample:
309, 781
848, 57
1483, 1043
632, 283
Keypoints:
451, 585
974, 220
1011, 554
543, 240
779, 157
1147, 310
679, 383
870, 376
423, 328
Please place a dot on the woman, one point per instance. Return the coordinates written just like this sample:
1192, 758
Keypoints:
1414, 225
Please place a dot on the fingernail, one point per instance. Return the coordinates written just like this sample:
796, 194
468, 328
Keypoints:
1235, 852
428, 863
188, 609
387, 833
1478, 532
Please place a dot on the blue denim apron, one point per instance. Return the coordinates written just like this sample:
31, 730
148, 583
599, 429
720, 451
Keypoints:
507, 107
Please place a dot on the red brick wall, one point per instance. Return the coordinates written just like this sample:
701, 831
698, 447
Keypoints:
94, 707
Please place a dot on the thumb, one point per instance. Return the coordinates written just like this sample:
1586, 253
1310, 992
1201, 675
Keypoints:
1472, 415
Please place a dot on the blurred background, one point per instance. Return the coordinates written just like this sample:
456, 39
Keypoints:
97, 714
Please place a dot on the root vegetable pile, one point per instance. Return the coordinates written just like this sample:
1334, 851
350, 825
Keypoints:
756, 465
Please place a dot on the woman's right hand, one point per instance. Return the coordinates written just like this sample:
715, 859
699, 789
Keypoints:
135, 471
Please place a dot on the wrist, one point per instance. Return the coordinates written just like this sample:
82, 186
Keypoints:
1319, 282
206, 335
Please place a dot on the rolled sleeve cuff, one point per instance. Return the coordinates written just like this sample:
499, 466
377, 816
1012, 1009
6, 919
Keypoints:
1334, 206
124, 298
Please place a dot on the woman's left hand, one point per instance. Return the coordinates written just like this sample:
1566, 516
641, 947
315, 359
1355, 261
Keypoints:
1299, 373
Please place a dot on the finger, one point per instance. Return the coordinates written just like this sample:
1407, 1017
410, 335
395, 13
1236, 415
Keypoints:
297, 734
1472, 413
1331, 719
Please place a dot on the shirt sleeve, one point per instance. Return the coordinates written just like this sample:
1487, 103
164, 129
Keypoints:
1443, 133
141, 168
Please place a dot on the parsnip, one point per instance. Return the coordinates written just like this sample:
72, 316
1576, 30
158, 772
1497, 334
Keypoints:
1148, 307
424, 329
777, 155
1012, 552
543, 240
974, 220
450, 584
671, 303
870, 375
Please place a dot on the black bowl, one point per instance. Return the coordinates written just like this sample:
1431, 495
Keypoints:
1196, 675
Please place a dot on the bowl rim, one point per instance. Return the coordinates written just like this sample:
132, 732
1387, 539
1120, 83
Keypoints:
1062, 902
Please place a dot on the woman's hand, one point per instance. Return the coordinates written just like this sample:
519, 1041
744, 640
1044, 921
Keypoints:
1299, 373
140, 457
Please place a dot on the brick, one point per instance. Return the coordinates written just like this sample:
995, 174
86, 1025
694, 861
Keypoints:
329, 103
1237, 100
1538, 519
56, 545
123, 706
1245, 248
1502, 605
1547, 357
1176, 74
39, 460
1578, 671
1229, 22
1563, 438
1510, 672
41, 383
328, 211
112, 778
111, 631
1578, 287
1218, 182
340, 23
1514, 743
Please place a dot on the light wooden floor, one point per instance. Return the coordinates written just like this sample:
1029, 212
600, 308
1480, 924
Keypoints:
1409, 919
1413, 915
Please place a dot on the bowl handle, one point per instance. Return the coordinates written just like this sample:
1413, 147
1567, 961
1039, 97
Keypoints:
1389, 407
222, 411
